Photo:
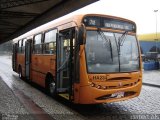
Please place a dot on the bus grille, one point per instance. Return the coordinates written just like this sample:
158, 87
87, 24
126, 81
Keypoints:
115, 86
126, 94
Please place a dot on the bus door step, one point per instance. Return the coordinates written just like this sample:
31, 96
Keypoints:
64, 95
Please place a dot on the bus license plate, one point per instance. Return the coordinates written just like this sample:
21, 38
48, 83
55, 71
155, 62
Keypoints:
118, 95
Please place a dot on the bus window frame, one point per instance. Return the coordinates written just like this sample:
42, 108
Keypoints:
25, 39
20, 46
41, 44
23, 45
44, 43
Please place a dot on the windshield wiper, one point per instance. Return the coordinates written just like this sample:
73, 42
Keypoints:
107, 40
122, 38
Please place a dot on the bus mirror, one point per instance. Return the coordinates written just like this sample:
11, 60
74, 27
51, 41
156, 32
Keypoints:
81, 35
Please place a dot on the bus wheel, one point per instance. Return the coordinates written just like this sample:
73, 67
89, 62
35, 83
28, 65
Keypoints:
51, 87
20, 73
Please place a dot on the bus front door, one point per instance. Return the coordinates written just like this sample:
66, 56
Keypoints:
64, 59
27, 59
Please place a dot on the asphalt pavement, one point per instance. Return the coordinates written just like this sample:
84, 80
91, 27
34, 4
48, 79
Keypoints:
151, 78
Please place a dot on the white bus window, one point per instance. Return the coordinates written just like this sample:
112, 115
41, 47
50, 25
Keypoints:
37, 44
38, 39
50, 42
50, 36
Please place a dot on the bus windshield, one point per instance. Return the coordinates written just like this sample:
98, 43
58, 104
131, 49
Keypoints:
113, 56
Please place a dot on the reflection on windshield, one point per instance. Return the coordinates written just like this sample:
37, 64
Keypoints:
101, 58
122, 38
101, 33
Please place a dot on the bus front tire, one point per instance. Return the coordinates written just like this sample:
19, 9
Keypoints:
20, 72
51, 87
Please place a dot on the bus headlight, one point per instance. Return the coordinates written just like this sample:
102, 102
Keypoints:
92, 84
98, 86
104, 87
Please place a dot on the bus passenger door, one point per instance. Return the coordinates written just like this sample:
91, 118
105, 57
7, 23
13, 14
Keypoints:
27, 59
14, 57
64, 65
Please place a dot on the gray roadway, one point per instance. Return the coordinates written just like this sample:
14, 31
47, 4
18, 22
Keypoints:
148, 103
152, 78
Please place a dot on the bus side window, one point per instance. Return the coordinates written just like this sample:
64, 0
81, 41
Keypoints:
37, 44
50, 42
20, 46
23, 45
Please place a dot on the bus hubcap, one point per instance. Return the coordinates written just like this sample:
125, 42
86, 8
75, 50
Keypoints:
52, 87
20, 74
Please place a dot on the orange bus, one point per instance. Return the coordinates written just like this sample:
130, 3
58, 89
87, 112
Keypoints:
87, 59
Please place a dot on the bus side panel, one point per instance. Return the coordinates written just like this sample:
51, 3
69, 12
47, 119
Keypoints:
41, 65
33, 68
76, 93
83, 70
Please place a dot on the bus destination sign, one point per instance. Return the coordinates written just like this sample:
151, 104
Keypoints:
103, 22
114, 24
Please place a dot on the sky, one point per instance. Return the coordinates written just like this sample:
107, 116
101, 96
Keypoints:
139, 11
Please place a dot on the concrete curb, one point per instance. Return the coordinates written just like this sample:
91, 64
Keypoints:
151, 85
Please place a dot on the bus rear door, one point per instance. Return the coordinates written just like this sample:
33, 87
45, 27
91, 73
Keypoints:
27, 59
14, 57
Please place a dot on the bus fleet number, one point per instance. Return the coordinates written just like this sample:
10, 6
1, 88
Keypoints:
99, 78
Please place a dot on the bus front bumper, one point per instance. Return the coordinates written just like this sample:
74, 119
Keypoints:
93, 95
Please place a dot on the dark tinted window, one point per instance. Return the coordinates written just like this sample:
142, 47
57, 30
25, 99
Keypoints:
20, 46
23, 45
